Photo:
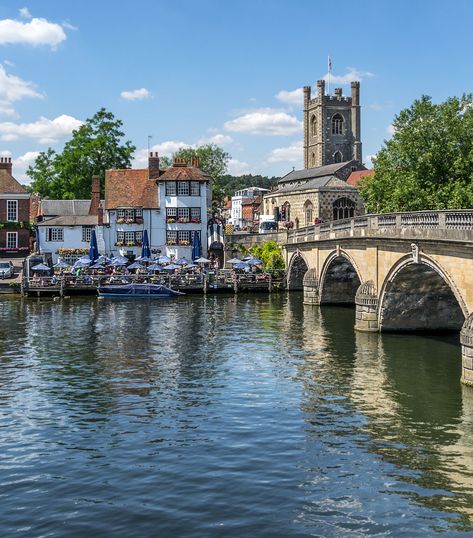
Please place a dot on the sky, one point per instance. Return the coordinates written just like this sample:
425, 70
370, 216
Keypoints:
190, 72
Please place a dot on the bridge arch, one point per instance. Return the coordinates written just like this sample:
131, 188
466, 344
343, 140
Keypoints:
298, 267
419, 295
339, 279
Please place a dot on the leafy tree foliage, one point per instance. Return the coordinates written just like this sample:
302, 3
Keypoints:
94, 147
269, 253
428, 163
231, 184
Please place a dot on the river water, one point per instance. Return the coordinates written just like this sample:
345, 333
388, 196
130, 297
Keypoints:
240, 416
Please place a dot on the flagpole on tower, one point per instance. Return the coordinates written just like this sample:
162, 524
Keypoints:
329, 62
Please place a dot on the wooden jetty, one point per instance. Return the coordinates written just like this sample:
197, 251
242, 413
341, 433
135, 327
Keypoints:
223, 281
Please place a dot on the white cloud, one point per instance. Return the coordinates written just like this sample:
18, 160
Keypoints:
219, 139
265, 121
390, 129
136, 95
163, 148
369, 159
238, 168
294, 97
25, 13
68, 26
292, 153
34, 32
351, 75
44, 130
13, 88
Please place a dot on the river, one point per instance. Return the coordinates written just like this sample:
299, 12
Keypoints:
241, 416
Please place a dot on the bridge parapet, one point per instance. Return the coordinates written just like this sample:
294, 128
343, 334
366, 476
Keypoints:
448, 224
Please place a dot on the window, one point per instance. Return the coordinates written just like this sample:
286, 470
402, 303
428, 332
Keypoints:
129, 214
309, 212
171, 237
139, 213
12, 210
55, 234
12, 239
193, 232
120, 237
195, 214
337, 157
139, 237
195, 188
183, 238
171, 213
86, 233
313, 159
353, 168
183, 188
182, 214
170, 188
343, 208
120, 214
313, 125
337, 124
129, 237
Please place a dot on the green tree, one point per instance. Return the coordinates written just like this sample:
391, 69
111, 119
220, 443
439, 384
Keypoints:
269, 253
94, 147
213, 161
428, 162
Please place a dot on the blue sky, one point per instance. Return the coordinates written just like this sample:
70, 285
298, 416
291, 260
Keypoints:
189, 72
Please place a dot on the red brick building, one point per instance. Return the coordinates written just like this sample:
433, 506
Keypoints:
14, 213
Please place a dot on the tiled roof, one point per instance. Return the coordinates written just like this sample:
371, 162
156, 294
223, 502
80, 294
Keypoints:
309, 173
327, 182
355, 177
55, 208
130, 188
183, 173
71, 220
9, 185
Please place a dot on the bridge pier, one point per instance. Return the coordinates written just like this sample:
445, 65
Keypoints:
311, 288
466, 340
366, 301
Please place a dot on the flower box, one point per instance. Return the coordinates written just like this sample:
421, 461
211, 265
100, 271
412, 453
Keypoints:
182, 220
184, 243
195, 220
120, 221
139, 220
119, 244
170, 220
68, 251
171, 242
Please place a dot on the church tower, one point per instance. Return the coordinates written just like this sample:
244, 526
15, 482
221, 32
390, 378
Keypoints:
331, 126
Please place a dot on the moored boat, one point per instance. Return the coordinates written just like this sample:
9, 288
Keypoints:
137, 291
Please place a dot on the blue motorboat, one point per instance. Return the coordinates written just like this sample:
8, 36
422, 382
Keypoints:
138, 291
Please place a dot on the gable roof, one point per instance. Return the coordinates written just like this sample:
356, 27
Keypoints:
71, 220
130, 188
355, 177
319, 171
63, 208
326, 182
9, 185
183, 172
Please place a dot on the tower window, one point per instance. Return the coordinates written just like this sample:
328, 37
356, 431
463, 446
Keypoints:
313, 125
337, 157
313, 159
343, 208
337, 124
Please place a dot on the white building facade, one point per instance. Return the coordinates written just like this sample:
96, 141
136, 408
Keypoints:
238, 198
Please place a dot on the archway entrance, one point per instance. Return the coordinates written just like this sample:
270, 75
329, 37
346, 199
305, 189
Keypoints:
297, 270
419, 299
340, 282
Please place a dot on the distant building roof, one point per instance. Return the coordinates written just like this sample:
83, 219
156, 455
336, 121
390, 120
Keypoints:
9, 185
355, 177
56, 208
130, 188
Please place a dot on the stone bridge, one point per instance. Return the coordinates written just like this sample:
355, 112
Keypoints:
403, 271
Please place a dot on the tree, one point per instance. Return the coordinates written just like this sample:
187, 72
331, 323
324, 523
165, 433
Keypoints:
94, 147
213, 161
428, 163
269, 253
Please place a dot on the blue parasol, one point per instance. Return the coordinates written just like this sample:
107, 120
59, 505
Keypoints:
94, 249
61, 265
145, 251
40, 267
181, 261
195, 246
135, 265
171, 267
164, 259
254, 261
154, 267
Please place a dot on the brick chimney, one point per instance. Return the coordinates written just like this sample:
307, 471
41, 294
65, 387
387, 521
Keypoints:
195, 161
100, 215
95, 200
6, 164
153, 165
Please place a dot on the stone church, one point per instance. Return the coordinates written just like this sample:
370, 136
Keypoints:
332, 151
